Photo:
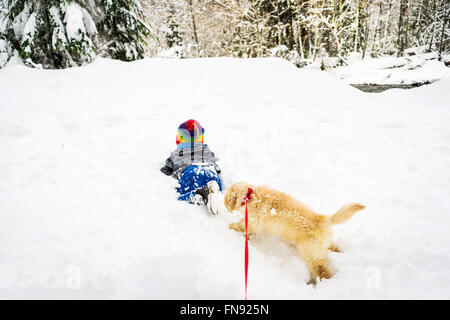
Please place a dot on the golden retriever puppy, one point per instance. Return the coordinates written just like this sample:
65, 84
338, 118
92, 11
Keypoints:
276, 213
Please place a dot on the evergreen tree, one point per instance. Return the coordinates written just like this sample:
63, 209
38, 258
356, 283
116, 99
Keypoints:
124, 29
173, 36
5, 45
51, 33
67, 33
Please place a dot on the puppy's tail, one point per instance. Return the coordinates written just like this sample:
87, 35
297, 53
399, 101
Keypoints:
344, 213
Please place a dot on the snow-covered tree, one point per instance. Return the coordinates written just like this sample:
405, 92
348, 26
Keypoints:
301, 28
199, 27
61, 33
167, 19
123, 29
173, 36
5, 45
51, 33
431, 26
67, 33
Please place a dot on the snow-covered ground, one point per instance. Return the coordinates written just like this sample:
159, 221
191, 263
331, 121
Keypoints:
390, 70
86, 213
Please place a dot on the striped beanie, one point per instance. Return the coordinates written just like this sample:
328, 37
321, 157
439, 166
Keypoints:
189, 134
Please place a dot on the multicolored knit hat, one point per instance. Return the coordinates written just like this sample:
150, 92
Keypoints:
189, 133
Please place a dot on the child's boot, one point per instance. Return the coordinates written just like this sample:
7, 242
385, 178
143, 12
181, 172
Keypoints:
201, 195
213, 203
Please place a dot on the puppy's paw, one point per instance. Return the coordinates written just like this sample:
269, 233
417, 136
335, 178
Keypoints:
334, 248
312, 282
252, 236
323, 272
236, 227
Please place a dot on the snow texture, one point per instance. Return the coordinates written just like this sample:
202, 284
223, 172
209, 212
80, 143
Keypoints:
86, 213
5, 48
89, 23
20, 21
29, 31
4, 55
75, 19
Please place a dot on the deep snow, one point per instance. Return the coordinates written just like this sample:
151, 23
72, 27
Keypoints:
86, 213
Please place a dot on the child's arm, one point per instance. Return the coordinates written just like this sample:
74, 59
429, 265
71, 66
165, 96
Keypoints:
168, 168
215, 159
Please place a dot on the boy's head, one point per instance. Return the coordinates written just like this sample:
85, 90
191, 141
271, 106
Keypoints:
189, 134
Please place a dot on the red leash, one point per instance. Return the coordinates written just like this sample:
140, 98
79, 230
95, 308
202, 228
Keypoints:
244, 201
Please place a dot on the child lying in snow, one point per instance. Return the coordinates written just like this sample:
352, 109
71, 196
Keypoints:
194, 165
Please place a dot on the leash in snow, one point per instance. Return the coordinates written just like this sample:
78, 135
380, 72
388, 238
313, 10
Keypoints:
244, 201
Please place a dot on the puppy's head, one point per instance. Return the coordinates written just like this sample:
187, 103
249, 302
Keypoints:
235, 194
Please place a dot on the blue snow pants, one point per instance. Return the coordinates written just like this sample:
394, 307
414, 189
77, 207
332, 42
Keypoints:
193, 178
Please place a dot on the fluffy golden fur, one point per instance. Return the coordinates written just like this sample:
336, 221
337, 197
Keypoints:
273, 212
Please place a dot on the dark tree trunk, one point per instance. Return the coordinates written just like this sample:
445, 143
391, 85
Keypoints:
401, 31
433, 22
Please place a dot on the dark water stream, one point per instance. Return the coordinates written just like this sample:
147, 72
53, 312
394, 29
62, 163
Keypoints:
383, 87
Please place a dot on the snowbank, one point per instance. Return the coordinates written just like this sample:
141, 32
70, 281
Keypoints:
85, 212
421, 68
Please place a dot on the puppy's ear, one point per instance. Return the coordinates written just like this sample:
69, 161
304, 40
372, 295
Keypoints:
235, 194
